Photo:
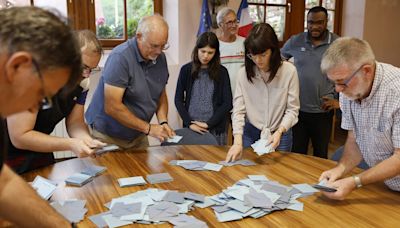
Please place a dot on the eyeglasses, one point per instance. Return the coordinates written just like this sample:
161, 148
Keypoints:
231, 23
253, 56
346, 82
156, 47
46, 103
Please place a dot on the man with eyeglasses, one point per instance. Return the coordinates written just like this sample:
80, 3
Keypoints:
27, 75
30, 144
132, 89
316, 91
369, 99
231, 46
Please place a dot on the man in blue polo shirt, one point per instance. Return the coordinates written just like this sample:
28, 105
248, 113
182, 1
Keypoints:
316, 91
132, 89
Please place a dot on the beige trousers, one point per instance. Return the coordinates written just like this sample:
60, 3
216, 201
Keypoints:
140, 142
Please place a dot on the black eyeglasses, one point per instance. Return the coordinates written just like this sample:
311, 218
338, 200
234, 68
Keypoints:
346, 82
46, 103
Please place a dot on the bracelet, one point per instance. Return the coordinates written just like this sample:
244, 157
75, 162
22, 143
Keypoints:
164, 122
357, 180
148, 131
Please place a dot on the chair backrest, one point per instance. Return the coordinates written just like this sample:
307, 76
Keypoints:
193, 138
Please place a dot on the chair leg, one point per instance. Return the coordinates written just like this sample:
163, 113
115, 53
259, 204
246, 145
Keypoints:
333, 126
229, 135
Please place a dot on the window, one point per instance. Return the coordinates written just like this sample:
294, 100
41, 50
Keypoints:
271, 11
114, 21
289, 17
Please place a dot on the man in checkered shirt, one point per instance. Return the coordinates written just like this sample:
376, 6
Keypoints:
370, 102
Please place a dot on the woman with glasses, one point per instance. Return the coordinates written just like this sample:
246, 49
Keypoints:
203, 95
266, 102
31, 145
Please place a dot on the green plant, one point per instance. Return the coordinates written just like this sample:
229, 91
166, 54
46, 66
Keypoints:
105, 32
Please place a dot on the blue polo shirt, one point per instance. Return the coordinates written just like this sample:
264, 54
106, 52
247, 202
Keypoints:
307, 59
143, 81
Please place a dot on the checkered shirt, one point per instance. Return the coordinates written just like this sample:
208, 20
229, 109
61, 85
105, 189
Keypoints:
376, 120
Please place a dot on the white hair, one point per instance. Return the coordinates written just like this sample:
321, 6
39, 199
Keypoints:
223, 12
150, 23
347, 51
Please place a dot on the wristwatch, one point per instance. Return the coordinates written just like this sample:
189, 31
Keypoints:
357, 180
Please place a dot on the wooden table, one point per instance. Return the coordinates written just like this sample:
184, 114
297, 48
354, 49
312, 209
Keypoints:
371, 206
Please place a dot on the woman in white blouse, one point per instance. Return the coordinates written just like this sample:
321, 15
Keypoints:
266, 102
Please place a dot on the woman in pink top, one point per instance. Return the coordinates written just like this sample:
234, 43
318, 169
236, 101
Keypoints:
266, 101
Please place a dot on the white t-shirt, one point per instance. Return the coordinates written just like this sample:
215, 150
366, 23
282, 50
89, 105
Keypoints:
232, 57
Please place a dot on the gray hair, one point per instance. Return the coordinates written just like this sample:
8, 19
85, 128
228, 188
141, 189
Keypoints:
347, 51
44, 35
223, 12
150, 23
88, 41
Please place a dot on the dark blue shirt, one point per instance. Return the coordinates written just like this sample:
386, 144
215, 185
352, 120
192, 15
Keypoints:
307, 59
143, 81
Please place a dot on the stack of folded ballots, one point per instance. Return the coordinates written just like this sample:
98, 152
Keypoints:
151, 206
262, 146
85, 176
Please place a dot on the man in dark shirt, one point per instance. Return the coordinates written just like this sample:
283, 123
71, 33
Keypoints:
38, 55
31, 145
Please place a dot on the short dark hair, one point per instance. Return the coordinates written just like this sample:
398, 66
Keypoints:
206, 39
44, 35
317, 9
261, 38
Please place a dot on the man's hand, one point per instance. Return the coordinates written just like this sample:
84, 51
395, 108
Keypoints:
329, 103
343, 187
234, 153
333, 174
82, 148
169, 130
158, 131
197, 128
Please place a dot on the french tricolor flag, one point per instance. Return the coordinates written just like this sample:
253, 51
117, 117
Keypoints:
245, 21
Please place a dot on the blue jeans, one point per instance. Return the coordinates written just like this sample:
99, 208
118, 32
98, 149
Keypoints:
252, 134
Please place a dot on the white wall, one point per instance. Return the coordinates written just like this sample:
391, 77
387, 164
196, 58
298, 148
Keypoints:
353, 18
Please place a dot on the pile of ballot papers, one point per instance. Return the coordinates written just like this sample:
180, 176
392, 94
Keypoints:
151, 206
257, 196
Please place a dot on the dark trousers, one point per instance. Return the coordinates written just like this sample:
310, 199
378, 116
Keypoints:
314, 126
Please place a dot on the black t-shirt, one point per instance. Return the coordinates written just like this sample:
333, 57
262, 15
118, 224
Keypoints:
22, 161
3, 139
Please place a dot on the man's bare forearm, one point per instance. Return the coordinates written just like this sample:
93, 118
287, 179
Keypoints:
20, 204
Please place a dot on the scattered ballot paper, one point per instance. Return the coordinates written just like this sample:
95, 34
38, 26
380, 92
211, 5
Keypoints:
107, 148
174, 139
262, 147
44, 187
131, 181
